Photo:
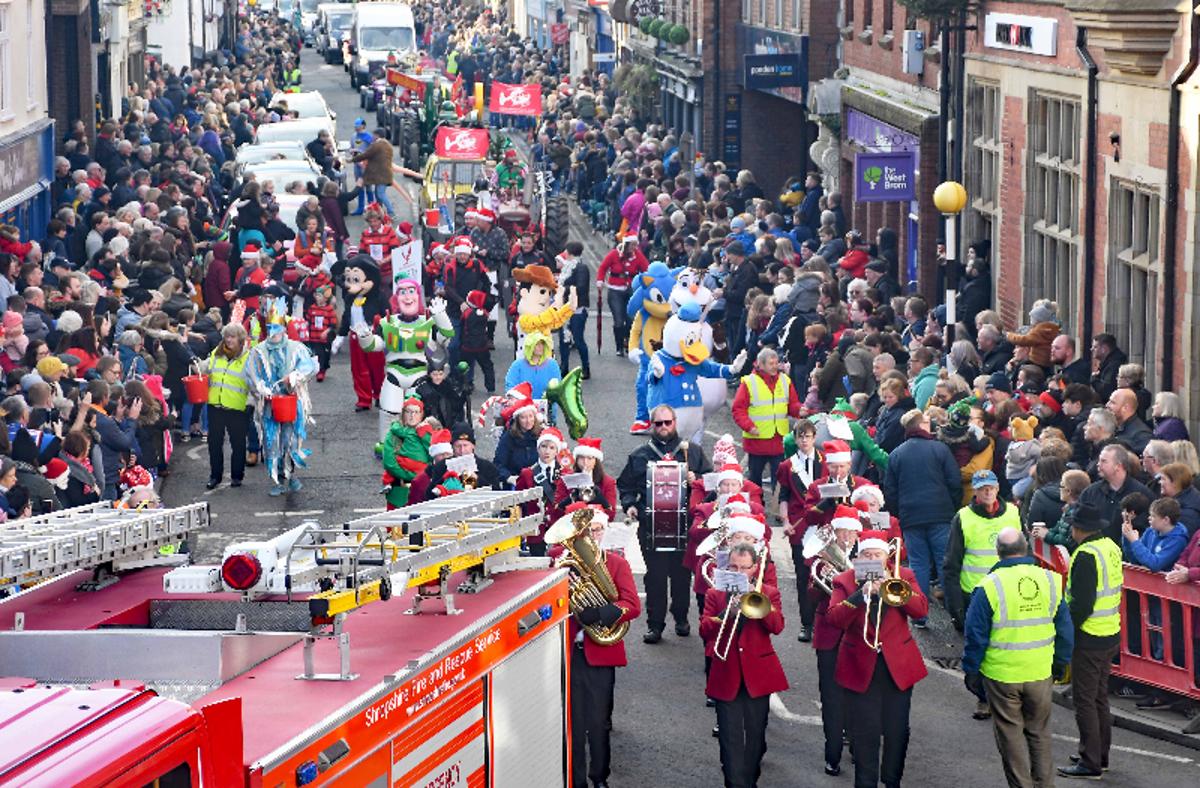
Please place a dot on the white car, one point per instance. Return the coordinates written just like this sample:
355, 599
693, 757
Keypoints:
289, 206
307, 105
302, 130
283, 173
292, 150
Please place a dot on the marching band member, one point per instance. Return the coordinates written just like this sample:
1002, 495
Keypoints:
589, 458
868, 499
723, 453
795, 476
662, 566
707, 517
825, 640
543, 473
593, 665
743, 682
878, 684
818, 510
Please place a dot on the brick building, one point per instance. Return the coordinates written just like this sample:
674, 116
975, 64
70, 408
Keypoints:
1068, 172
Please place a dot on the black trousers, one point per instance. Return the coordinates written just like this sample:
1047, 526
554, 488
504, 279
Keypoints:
235, 423
743, 737
1090, 669
833, 718
663, 568
321, 350
808, 608
760, 462
880, 712
618, 300
591, 715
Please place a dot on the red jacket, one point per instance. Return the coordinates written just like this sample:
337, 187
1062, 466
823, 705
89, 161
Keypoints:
752, 660
619, 271
825, 636
700, 530
770, 447
815, 516
525, 482
793, 490
608, 489
856, 660
854, 262
699, 495
627, 599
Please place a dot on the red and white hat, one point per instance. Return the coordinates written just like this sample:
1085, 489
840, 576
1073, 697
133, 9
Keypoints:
472, 213
517, 408
440, 443
552, 435
523, 390
867, 492
598, 511
730, 471
463, 246
836, 451
748, 524
629, 239
55, 468
438, 249
724, 450
872, 540
589, 447
846, 518
737, 502
487, 214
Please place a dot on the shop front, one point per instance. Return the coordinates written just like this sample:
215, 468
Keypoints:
26, 171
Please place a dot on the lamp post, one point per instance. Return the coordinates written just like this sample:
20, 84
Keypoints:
950, 198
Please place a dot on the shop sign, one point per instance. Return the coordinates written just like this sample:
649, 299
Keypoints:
873, 134
20, 166
784, 70
885, 177
731, 134
1034, 35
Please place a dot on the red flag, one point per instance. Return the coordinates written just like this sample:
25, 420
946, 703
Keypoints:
515, 99
456, 89
456, 143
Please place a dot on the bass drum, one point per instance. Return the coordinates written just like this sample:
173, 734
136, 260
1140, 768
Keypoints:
666, 500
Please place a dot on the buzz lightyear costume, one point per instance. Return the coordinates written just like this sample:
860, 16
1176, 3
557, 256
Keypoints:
403, 336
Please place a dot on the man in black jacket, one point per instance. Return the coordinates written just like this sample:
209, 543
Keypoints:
742, 276
1109, 357
994, 350
662, 566
1062, 350
1115, 467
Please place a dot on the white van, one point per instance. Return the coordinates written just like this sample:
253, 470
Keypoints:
379, 29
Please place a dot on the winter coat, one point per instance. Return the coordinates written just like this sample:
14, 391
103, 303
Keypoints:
925, 470
1037, 338
514, 452
81, 486
1045, 505
888, 432
377, 163
42, 496
923, 385
1189, 506
115, 438
1167, 429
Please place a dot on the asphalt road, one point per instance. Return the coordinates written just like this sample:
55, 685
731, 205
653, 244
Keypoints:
661, 727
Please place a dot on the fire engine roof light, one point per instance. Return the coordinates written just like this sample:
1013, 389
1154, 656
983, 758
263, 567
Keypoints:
241, 571
306, 773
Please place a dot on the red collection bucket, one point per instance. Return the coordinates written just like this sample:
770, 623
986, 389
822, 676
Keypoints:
283, 408
196, 388
433, 217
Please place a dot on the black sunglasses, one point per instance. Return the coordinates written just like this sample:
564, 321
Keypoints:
666, 423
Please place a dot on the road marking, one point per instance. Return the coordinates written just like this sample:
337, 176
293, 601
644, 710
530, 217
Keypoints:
781, 711
299, 513
1131, 750
194, 452
376, 510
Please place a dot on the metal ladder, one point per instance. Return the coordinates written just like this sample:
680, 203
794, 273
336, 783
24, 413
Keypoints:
90, 536
365, 560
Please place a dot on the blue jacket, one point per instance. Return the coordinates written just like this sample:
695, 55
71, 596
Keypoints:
924, 469
1157, 552
115, 437
679, 386
514, 453
923, 384
977, 630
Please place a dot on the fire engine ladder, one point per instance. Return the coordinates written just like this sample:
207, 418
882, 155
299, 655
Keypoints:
363, 560
98, 537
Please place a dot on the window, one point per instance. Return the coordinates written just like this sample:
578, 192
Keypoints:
777, 22
889, 11
6, 65
31, 70
745, 10
762, 12
848, 5
868, 14
1134, 268
1052, 256
797, 22
982, 167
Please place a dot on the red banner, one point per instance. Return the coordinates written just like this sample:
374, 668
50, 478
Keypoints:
559, 33
413, 85
454, 143
515, 99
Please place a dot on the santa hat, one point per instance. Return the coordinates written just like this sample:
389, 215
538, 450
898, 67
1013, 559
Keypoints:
487, 214
438, 249
867, 492
414, 401
553, 435
872, 540
523, 390
836, 451
405, 228
737, 503
589, 447
724, 451
462, 246
517, 408
471, 213
476, 299
728, 471
747, 524
846, 518
629, 239
55, 469
250, 250
598, 513
440, 443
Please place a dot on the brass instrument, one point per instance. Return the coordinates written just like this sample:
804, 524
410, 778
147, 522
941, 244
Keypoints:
591, 585
754, 605
894, 591
711, 544
821, 544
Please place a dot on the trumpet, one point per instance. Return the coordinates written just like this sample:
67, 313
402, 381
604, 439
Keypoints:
894, 591
831, 559
754, 605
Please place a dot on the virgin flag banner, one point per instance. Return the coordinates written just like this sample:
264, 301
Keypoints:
515, 99
455, 143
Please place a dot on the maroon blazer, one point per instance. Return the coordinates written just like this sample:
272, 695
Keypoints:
700, 531
856, 660
752, 659
608, 488
627, 599
825, 636
550, 514
697, 494
813, 515
794, 491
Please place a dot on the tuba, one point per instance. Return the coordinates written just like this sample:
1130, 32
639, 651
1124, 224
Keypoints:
591, 585
831, 560
568, 395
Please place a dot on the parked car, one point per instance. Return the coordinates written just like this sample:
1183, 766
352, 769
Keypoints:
333, 28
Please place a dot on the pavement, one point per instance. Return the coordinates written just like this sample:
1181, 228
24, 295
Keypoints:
661, 733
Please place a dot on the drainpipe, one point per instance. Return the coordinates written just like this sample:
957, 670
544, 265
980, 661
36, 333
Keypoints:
1089, 195
718, 98
1170, 246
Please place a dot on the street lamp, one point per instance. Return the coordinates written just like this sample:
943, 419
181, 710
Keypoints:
950, 198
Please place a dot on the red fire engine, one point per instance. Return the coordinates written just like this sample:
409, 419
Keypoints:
444, 652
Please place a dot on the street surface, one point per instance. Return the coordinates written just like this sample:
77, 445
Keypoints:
661, 728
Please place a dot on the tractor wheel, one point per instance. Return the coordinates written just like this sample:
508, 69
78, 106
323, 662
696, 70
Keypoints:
408, 138
369, 100
558, 225
414, 155
462, 203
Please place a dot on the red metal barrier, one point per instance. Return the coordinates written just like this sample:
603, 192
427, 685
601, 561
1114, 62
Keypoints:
1179, 619
1180, 615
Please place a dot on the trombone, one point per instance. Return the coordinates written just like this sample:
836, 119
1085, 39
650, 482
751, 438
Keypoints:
753, 605
894, 591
